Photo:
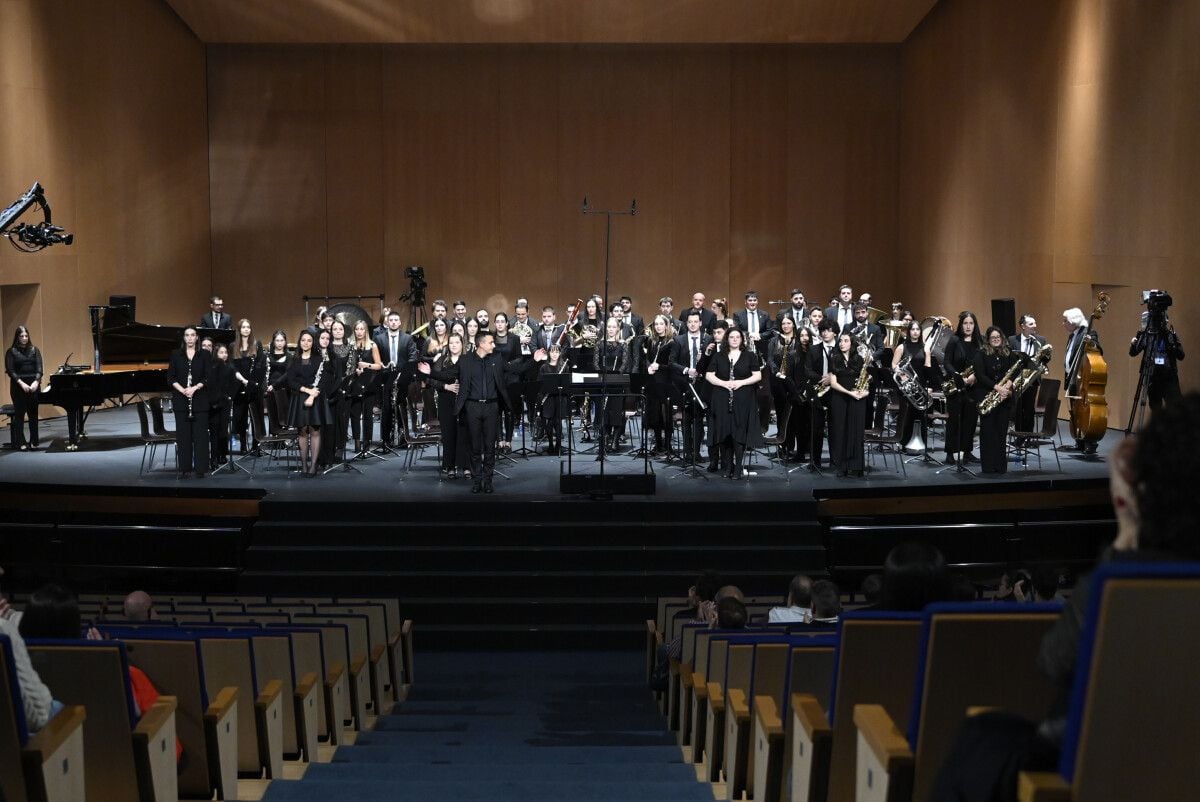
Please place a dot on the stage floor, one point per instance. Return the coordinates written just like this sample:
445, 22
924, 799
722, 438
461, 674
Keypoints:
111, 455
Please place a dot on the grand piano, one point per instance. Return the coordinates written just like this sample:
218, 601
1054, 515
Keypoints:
129, 359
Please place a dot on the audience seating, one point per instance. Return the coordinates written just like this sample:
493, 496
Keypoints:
1135, 702
44, 767
126, 757
971, 654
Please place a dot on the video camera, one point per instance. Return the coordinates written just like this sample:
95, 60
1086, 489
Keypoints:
1156, 302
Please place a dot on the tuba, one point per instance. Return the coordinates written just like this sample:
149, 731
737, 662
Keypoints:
1041, 364
910, 386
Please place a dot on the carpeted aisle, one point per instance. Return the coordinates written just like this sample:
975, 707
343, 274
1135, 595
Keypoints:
512, 726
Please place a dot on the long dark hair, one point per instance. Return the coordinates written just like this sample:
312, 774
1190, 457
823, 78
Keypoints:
274, 335
17, 340
958, 332
52, 612
986, 344
183, 342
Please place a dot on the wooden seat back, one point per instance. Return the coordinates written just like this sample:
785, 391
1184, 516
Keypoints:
14, 732
1136, 699
273, 661
95, 674
866, 642
228, 662
971, 655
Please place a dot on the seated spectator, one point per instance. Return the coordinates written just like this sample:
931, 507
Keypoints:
870, 589
1014, 586
1152, 479
962, 589
914, 575
731, 613
39, 705
798, 606
729, 591
138, 606
1044, 581
702, 610
826, 603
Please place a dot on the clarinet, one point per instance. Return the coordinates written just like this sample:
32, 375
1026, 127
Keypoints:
731, 364
308, 402
191, 415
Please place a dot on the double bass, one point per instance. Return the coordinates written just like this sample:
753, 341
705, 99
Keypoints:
1089, 376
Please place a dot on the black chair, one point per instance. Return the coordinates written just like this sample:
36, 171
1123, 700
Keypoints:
151, 441
429, 434
1025, 443
884, 442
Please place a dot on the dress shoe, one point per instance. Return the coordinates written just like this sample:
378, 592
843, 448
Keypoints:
476, 488
969, 457
487, 487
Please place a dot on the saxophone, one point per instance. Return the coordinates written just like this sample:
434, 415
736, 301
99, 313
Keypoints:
308, 402
863, 382
993, 399
955, 384
782, 351
1041, 364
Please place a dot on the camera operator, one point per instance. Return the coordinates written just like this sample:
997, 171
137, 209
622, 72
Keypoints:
1161, 347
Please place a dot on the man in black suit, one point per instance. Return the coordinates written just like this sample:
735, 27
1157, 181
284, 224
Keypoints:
398, 352
816, 370
1027, 342
216, 317
630, 319
756, 325
707, 317
482, 393
546, 334
872, 335
842, 312
692, 353
798, 311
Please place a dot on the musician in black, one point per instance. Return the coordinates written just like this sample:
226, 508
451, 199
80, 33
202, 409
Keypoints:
221, 387
757, 326
1028, 342
555, 405
962, 405
250, 370
364, 389
1078, 333
993, 362
310, 378
817, 370
508, 347
481, 394
343, 360
217, 317
398, 351
798, 311
187, 372
919, 365
847, 407
871, 335
443, 373
612, 356
657, 354
733, 373
631, 320
275, 397
693, 350
23, 364
787, 377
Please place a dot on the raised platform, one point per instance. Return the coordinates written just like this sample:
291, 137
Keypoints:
529, 559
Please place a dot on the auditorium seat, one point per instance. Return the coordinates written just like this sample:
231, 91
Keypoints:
381, 670
44, 767
1135, 701
125, 757
971, 655
348, 634
820, 747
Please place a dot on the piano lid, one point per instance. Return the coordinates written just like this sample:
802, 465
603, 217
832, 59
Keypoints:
120, 340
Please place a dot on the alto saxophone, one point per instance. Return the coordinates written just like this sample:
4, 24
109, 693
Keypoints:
993, 399
863, 382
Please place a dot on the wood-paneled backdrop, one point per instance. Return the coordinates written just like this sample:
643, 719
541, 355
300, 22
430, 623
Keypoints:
334, 167
104, 103
1050, 150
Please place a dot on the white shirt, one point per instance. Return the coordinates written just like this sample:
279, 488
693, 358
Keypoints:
785, 615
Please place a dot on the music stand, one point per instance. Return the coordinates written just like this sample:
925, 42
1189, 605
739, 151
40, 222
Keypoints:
523, 389
229, 462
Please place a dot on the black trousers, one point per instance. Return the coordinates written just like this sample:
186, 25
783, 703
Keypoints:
993, 431
25, 407
362, 417
1026, 408
693, 423
248, 415
483, 425
276, 403
1164, 387
819, 413
962, 416
191, 440
387, 410
218, 433
455, 449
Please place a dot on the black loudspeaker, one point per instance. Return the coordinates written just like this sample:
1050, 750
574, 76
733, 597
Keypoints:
1004, 315
124, 309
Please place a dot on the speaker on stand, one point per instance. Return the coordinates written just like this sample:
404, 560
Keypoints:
1004, 315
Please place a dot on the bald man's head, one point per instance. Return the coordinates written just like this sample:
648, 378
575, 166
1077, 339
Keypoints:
138, 606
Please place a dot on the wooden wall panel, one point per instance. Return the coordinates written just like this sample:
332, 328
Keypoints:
485, 154
105, 105
1047, 152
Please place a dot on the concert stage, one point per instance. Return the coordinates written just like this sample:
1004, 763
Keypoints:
539, 562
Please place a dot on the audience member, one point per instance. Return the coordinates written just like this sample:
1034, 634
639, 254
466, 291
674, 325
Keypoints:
138, 606
914, 575
39, 705
870, 589
1044, 581
702, 609
731, 613
1151, 481
962, 589
826, 603
798, 605
1014, 586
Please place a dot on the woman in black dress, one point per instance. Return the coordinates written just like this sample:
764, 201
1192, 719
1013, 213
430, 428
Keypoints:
554, 406
847, 409
802, 401
275, 394
786, 365
508, 346
221, 386
443, 375
23, 364
187, 373
992, 363
250, 368
962, 407
309, 377
343, 359
920, 364
734, 371
364, 388
612, 356
658, 353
